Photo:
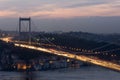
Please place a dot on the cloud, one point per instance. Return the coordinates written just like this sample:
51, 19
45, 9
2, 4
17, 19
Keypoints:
86, 3
93, 10
7, 13
59, 9
3, 0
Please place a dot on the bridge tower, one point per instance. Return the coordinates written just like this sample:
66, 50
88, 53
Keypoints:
20, 22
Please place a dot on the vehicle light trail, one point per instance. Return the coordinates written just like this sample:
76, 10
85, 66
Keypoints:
6, 39
95, 61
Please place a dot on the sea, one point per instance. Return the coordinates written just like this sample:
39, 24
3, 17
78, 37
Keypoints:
82, 73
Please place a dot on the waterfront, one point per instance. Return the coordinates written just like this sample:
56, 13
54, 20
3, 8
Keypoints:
83, 73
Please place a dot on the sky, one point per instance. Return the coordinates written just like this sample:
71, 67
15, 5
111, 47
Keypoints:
96, 16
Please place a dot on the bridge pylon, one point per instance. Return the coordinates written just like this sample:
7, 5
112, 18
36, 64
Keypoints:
20, 22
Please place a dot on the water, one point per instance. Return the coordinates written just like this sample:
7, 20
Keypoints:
84, 73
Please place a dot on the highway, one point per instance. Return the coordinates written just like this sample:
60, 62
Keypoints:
95, 61
99, 62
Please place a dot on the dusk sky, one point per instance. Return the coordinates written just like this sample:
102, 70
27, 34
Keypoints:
96, 16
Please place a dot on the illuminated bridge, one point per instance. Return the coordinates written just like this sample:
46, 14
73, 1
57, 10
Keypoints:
83, 58
60, 52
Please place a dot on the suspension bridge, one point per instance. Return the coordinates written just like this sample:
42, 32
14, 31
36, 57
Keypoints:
59, 52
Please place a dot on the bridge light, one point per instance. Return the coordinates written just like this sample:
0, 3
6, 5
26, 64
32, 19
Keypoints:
68, 60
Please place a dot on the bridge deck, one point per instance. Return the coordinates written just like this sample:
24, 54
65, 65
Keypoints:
95, 61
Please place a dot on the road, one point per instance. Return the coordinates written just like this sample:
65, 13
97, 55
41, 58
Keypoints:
95, 61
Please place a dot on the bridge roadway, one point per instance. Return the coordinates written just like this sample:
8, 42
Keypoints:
95, 61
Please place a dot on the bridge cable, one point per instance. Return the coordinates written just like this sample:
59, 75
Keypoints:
45, 37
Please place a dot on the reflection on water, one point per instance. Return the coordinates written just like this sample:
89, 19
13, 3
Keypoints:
29, 76
83, 73
16, 75
11, 76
